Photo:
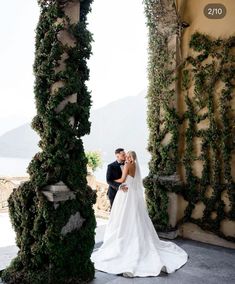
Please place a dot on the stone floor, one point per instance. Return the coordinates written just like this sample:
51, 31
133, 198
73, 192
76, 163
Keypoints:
207, 264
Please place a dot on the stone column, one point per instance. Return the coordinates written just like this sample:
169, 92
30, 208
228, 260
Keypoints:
59, 191
72, 10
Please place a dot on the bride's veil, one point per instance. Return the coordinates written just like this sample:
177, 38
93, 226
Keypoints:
139, 187
138, 178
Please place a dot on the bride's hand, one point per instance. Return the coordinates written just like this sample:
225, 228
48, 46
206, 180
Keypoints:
123, 187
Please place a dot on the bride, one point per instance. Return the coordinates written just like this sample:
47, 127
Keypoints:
131, 245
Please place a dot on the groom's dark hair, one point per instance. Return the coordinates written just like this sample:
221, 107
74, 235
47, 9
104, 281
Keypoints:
118, 150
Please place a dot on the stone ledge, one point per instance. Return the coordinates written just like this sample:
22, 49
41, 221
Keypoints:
58, 192
171, 178
168, 235
58, 196
194, 232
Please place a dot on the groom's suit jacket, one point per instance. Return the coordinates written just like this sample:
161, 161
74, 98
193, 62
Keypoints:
114, 171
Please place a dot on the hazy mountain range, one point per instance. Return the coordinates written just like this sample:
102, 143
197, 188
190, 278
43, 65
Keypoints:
121, 123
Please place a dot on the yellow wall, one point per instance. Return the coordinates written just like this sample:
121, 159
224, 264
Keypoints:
192, 12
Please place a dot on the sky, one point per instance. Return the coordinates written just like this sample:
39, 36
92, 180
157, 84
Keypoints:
118, 66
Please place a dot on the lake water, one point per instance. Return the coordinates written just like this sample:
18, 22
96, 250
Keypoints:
13, 166
17, 167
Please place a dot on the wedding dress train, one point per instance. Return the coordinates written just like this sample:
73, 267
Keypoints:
131, 245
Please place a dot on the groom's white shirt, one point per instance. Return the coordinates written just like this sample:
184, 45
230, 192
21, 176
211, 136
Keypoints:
121, 166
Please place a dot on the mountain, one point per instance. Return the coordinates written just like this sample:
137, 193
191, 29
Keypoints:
12, 121
20, 142
121, 123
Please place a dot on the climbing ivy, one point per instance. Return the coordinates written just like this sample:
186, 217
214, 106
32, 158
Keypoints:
162, 115
211, 73
208, 88
45, 254
207, 85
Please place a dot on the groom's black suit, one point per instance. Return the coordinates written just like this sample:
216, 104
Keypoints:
114, 171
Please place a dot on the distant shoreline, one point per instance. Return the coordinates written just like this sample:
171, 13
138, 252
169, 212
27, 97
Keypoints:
17, 168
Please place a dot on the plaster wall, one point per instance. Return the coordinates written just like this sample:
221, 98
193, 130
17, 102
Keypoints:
192, 12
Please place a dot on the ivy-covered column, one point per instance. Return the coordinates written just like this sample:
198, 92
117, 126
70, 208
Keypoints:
52, 213
164, 37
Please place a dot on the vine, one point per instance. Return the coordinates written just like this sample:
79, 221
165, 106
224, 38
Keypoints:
210, 74
162, 115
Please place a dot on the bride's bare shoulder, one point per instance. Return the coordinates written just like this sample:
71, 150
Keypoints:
131, 168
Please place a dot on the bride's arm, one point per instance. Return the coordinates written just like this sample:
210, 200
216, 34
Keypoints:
124, 174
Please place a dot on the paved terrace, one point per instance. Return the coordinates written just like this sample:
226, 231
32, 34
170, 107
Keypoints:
207, 264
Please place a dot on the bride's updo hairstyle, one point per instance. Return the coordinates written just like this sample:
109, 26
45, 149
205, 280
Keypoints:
133, 155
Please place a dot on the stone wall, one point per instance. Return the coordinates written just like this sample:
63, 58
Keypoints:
6, 187
102, 206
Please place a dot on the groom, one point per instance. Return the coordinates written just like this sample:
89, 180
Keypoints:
114, 172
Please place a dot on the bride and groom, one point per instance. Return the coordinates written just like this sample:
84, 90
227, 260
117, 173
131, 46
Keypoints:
131, 245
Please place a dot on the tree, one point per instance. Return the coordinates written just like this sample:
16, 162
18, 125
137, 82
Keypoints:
94, 160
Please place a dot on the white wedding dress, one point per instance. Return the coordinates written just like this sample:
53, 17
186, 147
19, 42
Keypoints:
131, 245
